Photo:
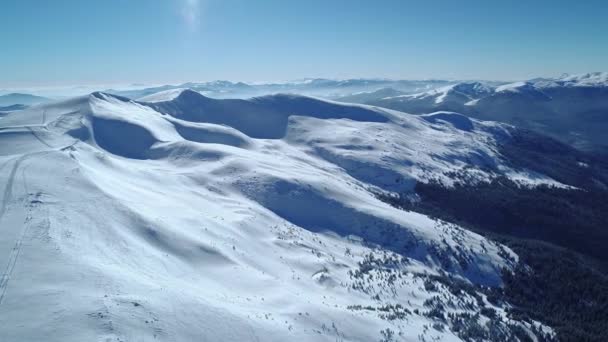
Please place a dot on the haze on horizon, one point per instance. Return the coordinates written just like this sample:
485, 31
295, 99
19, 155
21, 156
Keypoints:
71, 42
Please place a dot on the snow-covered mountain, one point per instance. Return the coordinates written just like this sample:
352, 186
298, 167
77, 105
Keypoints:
7, 109
365, 96
189, 218
13, 108
573, 109
453, 97
12, 99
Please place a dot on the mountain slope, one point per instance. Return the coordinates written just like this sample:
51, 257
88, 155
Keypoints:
193, 218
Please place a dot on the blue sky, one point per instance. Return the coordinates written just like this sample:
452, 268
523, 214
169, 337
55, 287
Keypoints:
63, 42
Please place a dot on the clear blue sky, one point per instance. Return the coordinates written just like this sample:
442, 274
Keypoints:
63, 42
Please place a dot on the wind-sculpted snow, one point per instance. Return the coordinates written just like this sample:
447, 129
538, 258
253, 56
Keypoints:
239, 220
210, 133
263, 117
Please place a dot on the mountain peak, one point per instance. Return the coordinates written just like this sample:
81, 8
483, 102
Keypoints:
173, 94
108, 96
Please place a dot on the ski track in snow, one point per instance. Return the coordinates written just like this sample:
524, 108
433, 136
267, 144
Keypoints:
8, 189
38, 137
16, 250
8, 195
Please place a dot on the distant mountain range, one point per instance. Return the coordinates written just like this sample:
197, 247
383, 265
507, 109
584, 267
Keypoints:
12, 99
325, 88
7, 109
573, 109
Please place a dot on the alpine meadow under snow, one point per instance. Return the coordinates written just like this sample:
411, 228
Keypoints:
180, 217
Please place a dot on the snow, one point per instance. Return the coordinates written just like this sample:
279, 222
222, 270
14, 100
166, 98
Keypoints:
442, 94
162, 96
512, 87
187, 218
456, 120
471, 103
594, 79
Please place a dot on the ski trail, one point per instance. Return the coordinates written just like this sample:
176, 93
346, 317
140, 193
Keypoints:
8, 190
8, 194
12, 261
14, 255
38, 137
6, 163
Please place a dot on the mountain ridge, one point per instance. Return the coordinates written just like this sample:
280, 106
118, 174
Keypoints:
243, 220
